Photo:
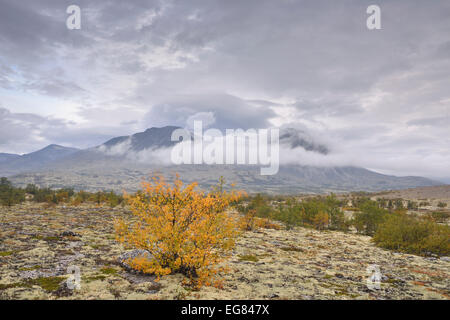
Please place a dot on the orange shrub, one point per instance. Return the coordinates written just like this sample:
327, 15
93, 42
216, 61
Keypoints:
185, 230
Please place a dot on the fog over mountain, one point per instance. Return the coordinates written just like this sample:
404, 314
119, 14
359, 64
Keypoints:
122, 162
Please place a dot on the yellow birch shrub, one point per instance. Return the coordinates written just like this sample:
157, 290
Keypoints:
186, 230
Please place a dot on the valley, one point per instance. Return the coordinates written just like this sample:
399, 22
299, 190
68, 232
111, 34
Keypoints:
39, 242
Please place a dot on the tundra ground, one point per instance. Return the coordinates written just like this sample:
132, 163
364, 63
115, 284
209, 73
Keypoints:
38, 244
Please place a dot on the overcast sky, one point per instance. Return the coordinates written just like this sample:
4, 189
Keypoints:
377, 98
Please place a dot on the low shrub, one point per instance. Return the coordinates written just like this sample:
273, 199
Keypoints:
404, 233
315, 212
442, 204
440, 216
368, 219
186, 230
10, 195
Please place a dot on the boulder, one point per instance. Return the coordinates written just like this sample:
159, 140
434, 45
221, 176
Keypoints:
69, 234
124, 258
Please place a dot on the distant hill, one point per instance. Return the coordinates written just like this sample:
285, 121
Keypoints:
12, 163
4, 157
104, 167
48, 154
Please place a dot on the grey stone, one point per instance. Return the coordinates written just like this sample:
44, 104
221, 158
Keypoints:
125, 257
63, 290
69, 234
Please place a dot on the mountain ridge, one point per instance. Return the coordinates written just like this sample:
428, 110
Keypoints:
13, 163
101, 167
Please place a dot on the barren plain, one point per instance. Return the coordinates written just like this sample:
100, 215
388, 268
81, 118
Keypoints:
38, 244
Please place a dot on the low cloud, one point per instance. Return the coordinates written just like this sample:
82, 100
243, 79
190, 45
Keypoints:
150, 156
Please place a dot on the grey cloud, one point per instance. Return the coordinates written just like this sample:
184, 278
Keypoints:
280, 47
55, 87
20, 131
26, 132
328, 108
229, 112
306, 62
443, 120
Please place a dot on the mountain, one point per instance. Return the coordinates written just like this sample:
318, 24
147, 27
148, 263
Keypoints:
152, 138
12, 164
117, 151
48, 154
115, 165
4, 157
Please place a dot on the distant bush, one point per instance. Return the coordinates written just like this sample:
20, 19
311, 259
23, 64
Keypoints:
424, 204
250, 222
258, 204
186, 230
440, 216
257, 211
360, 200
442, 204
370, 216
290, 213
335, 213
405, 233
382, 202
315, 212
321, 220
68, 195
412, 205
323, 213
398, 204
10, 195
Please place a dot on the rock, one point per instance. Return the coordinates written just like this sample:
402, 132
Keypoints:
34, 274
445, 259
148, 287
63, 290
69, 234
67, 260
123, 258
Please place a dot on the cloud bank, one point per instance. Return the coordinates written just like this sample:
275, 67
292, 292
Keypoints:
377, 99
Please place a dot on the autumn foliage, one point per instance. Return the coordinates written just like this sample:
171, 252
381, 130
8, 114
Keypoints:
186, 230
